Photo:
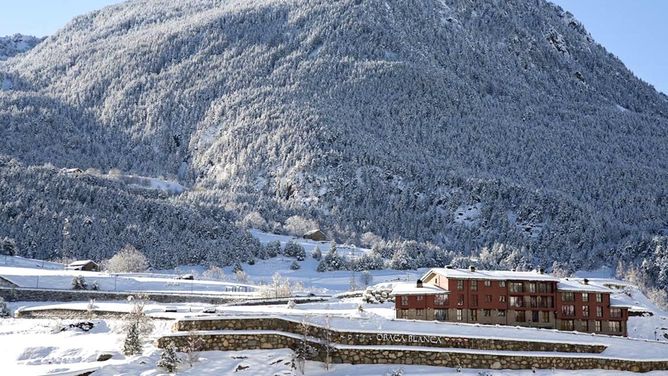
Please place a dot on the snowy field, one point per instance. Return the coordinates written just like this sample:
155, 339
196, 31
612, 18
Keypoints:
39, 347
51, 347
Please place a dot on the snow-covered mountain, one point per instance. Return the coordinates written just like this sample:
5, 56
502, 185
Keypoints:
458, 123
12, 45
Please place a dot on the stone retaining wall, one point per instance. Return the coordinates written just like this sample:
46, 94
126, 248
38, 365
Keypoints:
355, 355
13, 294
359, 338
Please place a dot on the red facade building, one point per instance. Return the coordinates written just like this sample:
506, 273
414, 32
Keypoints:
532, 299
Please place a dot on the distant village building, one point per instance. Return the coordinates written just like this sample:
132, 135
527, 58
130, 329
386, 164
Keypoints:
85, 265
532, 299
316, 235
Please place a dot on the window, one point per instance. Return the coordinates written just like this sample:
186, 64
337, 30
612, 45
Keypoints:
532, 287
441, 299
404, 300
599, 311
488, 283
616, 312
516, 301
474, 300
549, 302
441, 314
487, 312
615, 326
460, 315
597, 325
544, 287
599, 298
585, 297
502, 299
568, 310
567, 325
502, 283
585, 311
474, 285
420, 298
402, 313
533, 302
488, 298
460, 300
419, 313
460, 284
474, 315
516, 287
584, 324
534, 316
545, 316
501, 313
567, 296
520, 316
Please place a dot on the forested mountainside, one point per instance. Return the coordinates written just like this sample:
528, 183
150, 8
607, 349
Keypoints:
455, 122
12, 45
70, 214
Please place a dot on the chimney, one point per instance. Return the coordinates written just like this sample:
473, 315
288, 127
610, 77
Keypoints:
585, 281
472, 268
419, 284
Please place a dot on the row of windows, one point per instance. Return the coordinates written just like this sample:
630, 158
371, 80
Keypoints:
569, 310
533, 287
613, 326
520, 316
570, 297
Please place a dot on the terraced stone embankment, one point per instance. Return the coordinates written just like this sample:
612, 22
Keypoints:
250, 333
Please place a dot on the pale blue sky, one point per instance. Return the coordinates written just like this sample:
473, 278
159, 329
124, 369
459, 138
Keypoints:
634, 30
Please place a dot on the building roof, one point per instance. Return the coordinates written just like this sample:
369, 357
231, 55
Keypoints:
499, 275
412, 289
81, 262
577, 284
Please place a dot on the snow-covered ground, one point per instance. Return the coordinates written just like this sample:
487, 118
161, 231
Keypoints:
38, 346
62, 279
21, 262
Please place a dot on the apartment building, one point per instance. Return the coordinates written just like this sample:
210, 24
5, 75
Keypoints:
533, 299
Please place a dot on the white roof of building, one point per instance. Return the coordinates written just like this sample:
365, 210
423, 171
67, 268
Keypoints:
412, 289
81, 262
500, 275
577, 284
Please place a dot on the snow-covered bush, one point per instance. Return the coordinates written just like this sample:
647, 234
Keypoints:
280, 287
298, 225
215, 273
4, 312
317, 254
241, 276
295, 250
128, 260
193, 346
273, 248
332, 261
169, 360
295, 265
79, 283
132, 344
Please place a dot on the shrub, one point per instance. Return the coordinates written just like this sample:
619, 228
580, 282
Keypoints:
128, 260
169, 360
295, 250
79, 283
